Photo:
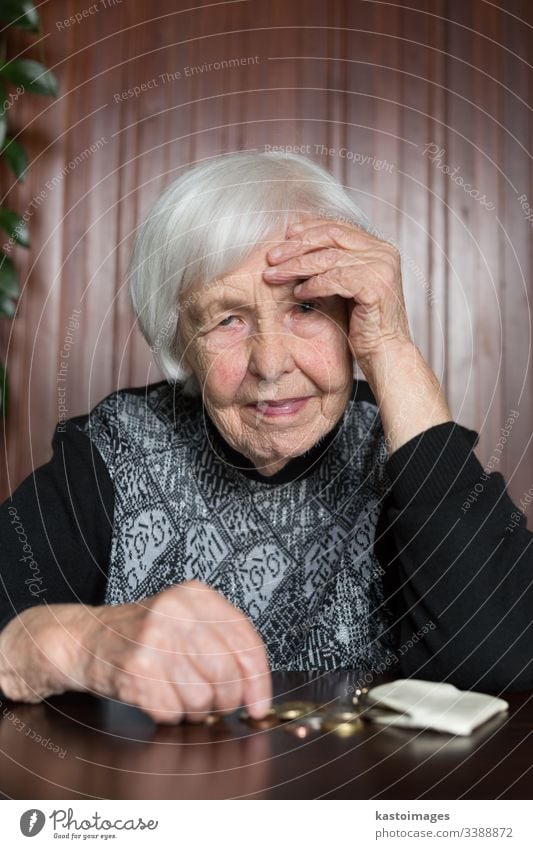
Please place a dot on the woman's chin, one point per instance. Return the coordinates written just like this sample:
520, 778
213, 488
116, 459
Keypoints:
280, 452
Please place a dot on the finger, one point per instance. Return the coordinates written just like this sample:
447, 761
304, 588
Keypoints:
302, 238
331, 232
229, 694
334, 282
217, 664
165, 709
251, 656
160, 700
299, 226
308, 264
194, 691
316, 237
244, 642
309, 223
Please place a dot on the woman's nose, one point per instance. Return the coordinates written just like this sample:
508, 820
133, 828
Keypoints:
271, 355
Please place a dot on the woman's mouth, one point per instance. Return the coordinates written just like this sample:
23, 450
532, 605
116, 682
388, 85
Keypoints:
285, 407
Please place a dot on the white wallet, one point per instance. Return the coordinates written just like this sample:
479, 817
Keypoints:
412, 703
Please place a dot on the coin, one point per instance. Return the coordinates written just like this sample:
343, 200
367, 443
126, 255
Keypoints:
342, 723
288, 711
346, 729
269, 720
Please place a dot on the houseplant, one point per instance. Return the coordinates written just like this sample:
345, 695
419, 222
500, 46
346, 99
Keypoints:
17, 76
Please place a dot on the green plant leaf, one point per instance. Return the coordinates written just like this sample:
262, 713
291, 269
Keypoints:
9, 281
9, 287
15, 227
16, 158
4, 392
20, 13
8, 307
31, 75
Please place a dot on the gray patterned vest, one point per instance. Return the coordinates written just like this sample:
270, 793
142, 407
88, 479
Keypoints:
297, 557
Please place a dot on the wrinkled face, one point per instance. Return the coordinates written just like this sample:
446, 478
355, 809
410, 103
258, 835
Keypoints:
275, 371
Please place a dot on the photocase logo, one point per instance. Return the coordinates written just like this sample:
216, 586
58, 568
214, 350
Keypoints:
32, 822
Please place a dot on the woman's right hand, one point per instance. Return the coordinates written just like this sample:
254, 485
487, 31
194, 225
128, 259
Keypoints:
177, 655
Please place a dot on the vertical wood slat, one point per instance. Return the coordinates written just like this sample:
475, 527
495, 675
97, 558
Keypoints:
413, 197
515, 248
487, 134
361, 110
437, 184
336, 89
388, 96
462, 221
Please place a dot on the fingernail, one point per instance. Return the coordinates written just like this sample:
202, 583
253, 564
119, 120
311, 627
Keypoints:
275, 253
296, 228
297, 288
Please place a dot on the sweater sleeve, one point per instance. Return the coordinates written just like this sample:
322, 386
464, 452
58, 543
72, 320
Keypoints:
459, 566
56, 529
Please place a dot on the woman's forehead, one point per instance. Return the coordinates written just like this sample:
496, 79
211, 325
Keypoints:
246, 278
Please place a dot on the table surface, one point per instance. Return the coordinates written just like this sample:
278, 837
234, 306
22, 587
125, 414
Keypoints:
77, 746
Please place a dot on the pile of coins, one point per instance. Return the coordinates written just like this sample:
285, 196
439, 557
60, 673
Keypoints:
302, 719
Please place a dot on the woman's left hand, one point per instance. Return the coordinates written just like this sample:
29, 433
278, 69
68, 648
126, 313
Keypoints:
342, 259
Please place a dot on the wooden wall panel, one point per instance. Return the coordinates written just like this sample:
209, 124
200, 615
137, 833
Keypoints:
375, 79
515, 239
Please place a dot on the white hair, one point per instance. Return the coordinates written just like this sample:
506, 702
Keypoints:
207, 222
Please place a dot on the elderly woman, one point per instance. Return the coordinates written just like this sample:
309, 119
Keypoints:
259, 509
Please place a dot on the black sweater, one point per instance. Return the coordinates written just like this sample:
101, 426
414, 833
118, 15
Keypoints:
467, 570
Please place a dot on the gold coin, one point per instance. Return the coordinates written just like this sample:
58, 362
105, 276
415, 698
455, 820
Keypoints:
343, 714
347, 729
343, 723
288, 711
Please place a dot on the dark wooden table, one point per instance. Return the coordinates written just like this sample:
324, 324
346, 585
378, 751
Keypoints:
77, 746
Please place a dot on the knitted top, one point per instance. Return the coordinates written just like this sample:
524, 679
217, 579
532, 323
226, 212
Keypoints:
296, 557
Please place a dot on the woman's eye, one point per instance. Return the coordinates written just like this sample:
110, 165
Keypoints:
308, 306
225, 321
